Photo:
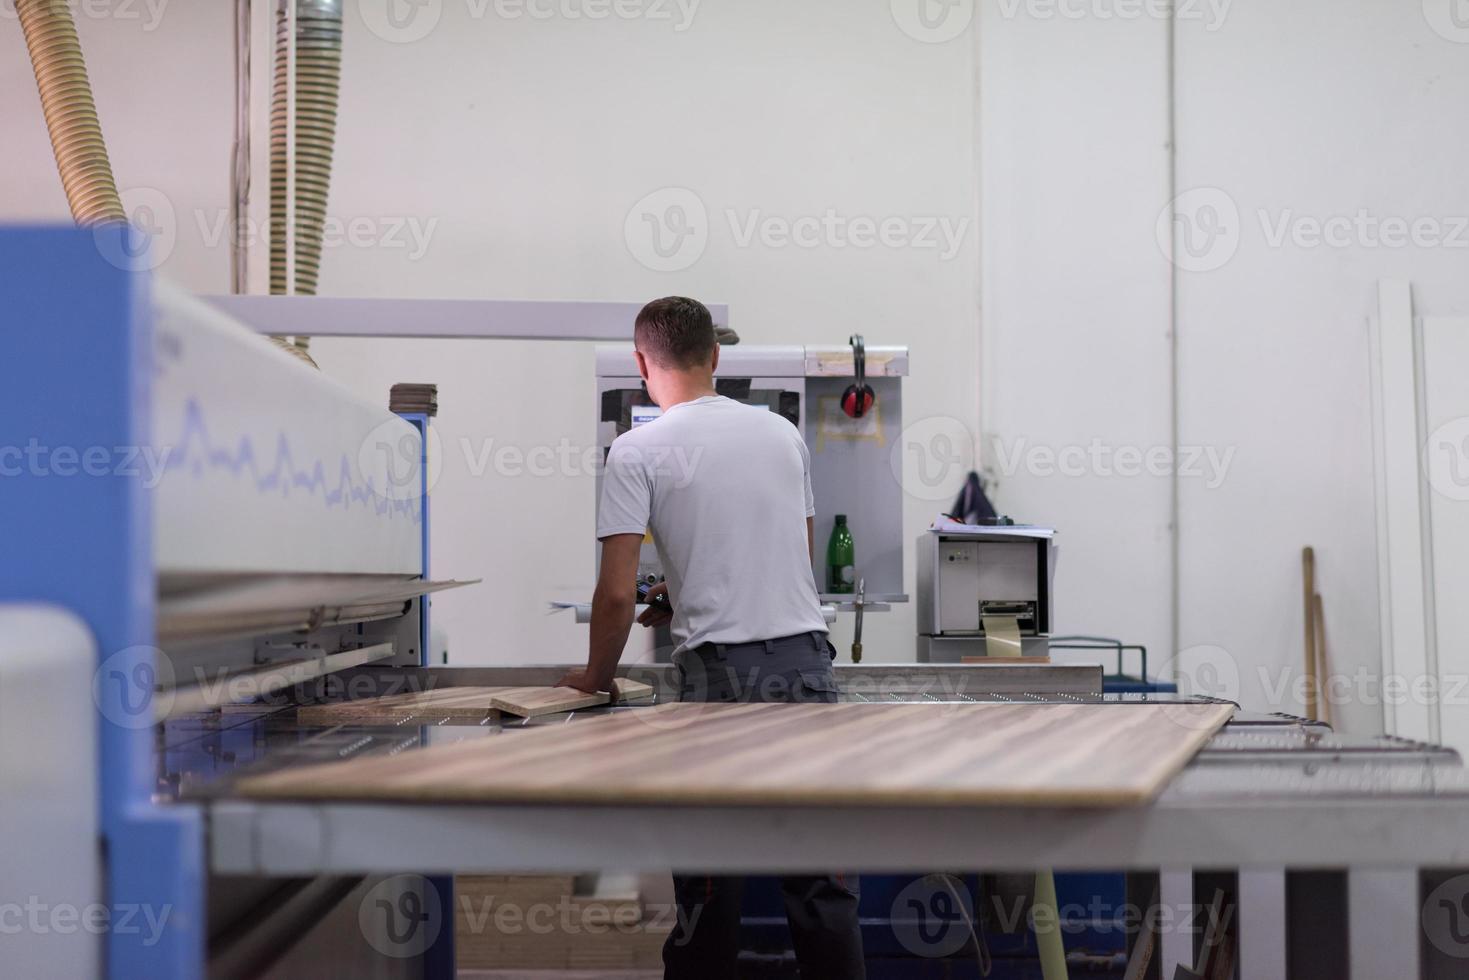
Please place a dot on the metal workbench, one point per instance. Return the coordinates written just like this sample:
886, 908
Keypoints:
1271, 797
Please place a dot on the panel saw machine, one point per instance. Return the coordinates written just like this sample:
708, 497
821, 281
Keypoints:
216, 533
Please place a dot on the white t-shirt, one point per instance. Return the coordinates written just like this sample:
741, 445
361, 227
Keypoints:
725, 489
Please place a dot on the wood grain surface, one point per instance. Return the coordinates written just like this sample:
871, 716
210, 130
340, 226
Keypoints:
463, 704
969, 754
529, 702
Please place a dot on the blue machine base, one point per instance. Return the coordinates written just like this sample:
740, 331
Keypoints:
1091, 907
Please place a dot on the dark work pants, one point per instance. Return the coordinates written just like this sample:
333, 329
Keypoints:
820, 909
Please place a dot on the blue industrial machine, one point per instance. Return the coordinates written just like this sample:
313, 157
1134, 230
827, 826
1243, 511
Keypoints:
172, 482
81, 341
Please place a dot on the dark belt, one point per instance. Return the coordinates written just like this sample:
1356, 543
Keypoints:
819, 642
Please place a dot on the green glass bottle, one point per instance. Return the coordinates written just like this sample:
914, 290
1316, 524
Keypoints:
841, 567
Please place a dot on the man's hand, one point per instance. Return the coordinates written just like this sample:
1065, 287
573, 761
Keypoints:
583, 681
612, 609
657, 614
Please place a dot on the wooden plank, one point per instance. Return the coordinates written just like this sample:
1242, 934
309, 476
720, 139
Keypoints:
1308, 585
530, 702
966, 754
462, 704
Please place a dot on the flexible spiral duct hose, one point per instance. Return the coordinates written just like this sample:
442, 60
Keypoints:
318, 82
71, 114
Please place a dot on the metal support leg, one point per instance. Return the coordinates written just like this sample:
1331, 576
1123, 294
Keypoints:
1384, 924
1178, 919
1262, 925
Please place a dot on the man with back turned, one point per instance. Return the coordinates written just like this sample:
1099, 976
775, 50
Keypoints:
725, 490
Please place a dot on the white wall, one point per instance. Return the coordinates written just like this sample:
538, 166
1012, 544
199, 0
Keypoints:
528, 142
1074, 162
524, 144
1308, 109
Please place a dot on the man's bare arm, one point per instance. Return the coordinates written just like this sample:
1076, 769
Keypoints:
612, 610
811, 537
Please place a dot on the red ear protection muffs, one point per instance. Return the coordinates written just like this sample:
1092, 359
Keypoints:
858, 399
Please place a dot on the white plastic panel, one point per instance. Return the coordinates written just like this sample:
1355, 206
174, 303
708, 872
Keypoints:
958, 577
264, 464
1405, 599
1446, 461
52, 922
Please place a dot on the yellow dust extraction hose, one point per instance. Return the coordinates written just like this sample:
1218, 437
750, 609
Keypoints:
318, 76
1048, 933
71, 114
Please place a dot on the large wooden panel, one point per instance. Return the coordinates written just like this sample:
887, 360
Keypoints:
972, 754
463, 704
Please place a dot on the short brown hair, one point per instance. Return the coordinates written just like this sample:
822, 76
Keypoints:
676, 332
